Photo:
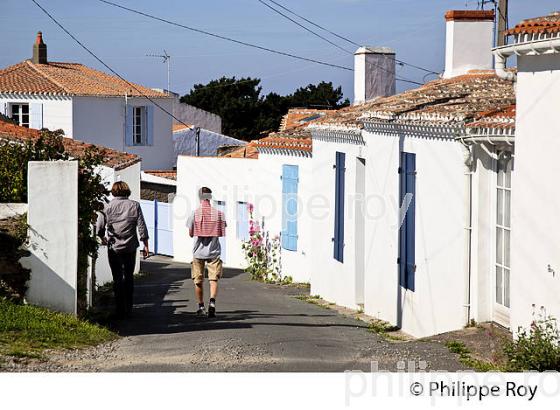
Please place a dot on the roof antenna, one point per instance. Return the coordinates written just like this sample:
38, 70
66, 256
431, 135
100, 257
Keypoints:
166, 59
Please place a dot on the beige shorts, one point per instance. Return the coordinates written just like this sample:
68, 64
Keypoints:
214, 269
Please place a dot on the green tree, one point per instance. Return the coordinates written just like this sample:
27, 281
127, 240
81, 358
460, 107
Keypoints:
247, 115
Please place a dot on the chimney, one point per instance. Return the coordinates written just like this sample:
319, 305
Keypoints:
374, 73
39, 50
469, 41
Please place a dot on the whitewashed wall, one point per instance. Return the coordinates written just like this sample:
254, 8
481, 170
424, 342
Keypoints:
535, 246
131, 176
102, 121
53, 235
231, 180
56, 110
197, 117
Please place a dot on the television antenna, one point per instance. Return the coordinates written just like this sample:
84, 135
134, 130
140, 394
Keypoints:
166, 58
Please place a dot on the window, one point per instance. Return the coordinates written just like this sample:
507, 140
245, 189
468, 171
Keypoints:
338, 240
242, 221
290, 179
503, 228
20, 114
407, 234
138, 125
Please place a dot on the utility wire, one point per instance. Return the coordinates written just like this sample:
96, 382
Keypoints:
270, 50
107, 66
302, 26
333, 33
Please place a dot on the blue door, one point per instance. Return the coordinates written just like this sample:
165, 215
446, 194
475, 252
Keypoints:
158, 217
290, 178
407, 236
221, 206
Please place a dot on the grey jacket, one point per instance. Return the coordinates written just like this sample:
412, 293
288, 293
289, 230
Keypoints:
119, 221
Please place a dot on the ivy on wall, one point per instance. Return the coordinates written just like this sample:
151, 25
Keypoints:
14, 158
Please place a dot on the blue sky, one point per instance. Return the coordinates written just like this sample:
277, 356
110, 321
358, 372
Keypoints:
414, 28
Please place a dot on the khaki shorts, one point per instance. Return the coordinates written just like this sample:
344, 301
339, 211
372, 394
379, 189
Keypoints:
214, 269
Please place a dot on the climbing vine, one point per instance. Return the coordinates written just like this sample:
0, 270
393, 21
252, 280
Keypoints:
14, 158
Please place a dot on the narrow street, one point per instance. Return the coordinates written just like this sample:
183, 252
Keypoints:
259, 327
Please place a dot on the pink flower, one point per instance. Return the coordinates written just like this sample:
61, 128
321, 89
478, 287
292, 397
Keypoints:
250, 207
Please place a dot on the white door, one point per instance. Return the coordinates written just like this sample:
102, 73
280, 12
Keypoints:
221, 206
502, 272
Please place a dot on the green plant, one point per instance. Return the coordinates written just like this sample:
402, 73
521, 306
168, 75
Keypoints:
49, 146
26, 331
465, 357
536, 348
263, 254
13, 277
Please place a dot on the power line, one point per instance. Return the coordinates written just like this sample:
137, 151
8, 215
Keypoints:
270, 50
107, 66
331, 32
302, 26
173, 23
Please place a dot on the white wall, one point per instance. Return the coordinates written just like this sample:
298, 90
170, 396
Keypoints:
256, 181
57, 110
231, 180
53, 235
197, 117
535, 199
131, 176
468, 47
102, 121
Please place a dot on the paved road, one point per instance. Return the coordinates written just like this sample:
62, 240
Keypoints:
259, 328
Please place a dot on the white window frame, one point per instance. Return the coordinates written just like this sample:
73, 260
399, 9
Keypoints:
139, 125
19, 116
502, 266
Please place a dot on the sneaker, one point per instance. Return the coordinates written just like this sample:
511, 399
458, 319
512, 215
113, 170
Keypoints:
201, 312
212, 310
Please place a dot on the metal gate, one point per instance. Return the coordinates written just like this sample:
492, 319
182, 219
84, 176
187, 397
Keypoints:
158, 216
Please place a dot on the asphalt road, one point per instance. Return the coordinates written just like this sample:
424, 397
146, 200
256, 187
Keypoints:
259, 327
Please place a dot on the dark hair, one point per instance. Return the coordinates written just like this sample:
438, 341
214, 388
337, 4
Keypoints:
120, 188
205, 190
205, 193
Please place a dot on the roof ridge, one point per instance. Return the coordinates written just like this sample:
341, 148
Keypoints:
45, 75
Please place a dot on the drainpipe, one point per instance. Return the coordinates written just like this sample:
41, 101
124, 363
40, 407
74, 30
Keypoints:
468, 227
536, 47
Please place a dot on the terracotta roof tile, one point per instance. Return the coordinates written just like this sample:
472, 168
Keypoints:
469, 15
539, 25
76, 149
169, 174
67, 79
180, 127
501, 118
453, 100
300, 117
246, 151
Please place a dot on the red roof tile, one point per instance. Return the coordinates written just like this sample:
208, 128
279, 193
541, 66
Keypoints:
179, 127
501, 118
538, 25
277, 141
469, 15
245, 151
67, 79
300, 117
169, 174
76, 149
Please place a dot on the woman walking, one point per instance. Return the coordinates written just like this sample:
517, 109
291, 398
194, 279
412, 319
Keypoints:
117, 226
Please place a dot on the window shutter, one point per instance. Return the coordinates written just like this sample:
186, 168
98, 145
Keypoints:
128, 126
339, 206
290, 175
407, 236
36, 116
242, 221
149, 125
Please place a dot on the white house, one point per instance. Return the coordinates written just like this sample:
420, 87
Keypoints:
205, 144
535, 225
89, 105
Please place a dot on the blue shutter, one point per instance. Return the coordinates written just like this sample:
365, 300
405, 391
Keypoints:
242, 221
36, 116
128, 126
149, 125
407, 236
290, 175
338, 239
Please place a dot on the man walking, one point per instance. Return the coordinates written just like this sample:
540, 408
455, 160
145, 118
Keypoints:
206, 224
117, 226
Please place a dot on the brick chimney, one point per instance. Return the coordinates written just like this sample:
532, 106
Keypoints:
469, 41
374, 73
39, 50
